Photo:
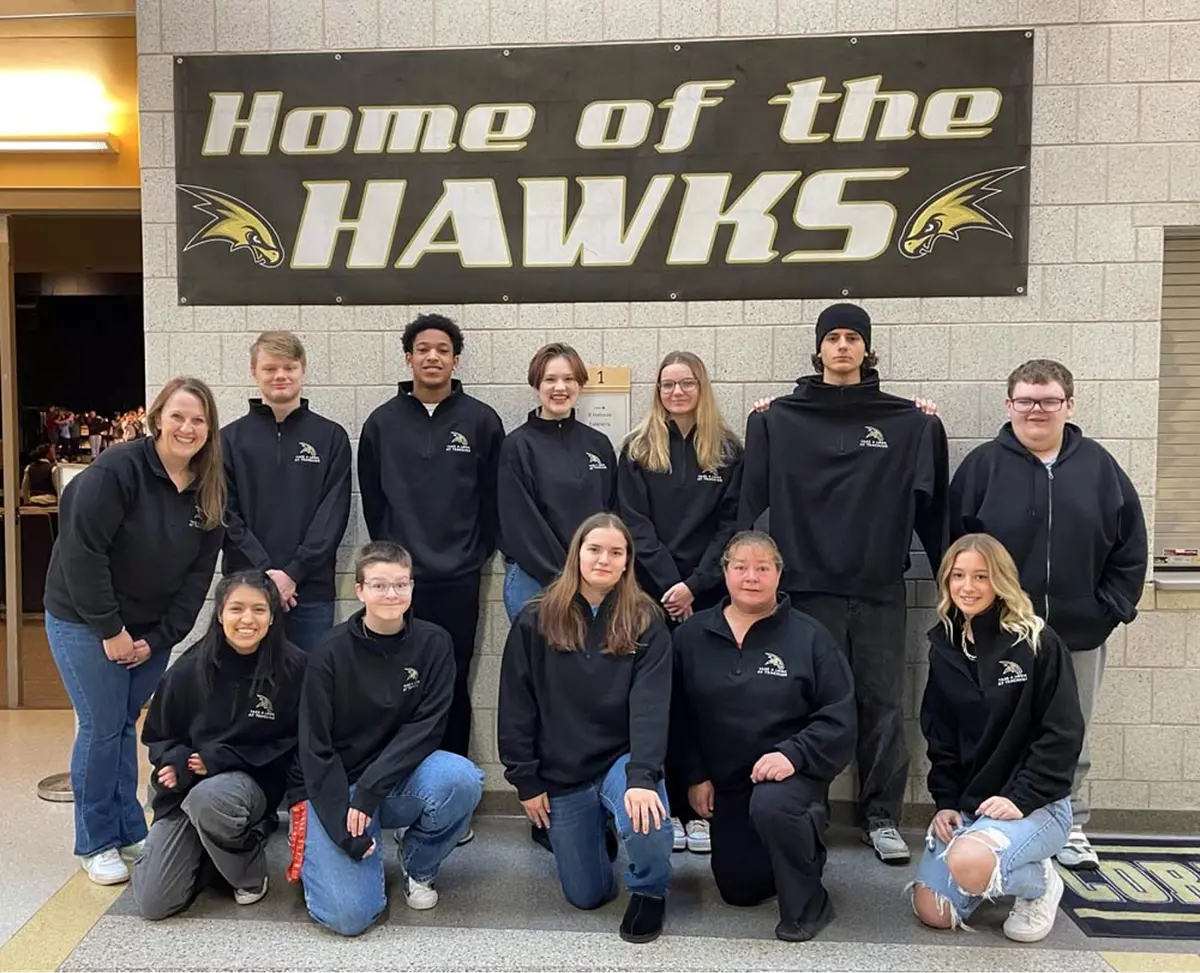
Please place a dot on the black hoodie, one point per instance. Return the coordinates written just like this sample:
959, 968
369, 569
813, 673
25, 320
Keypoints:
289, 496
566, 717
132, 550
847, 472
1076, 530
1008, 725
428, 482
554, 474
681, 520
788, 688
374, 706
235, 724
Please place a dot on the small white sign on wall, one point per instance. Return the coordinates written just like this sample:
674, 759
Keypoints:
604, 402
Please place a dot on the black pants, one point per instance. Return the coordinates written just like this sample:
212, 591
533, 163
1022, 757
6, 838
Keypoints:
871, 633
454, 604
770, 839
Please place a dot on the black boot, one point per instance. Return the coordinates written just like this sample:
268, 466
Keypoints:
611, 843
643, 920
817, 915
541, 837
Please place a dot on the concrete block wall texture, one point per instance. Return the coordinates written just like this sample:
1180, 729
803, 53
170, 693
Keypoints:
1115, 158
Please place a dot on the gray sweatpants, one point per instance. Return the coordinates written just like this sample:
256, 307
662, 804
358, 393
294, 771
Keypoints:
215, 821
1089, 674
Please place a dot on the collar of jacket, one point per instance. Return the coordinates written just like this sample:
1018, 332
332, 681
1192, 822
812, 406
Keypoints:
258, 407
717, 623
549, 425
156, 464
1072, 437
378, 644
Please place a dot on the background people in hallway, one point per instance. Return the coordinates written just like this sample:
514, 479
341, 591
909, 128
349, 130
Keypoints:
847, 471
585, 688
377, 695
139, 533
764, 704
1004, 730
288, 472
427, 463
1073, 522
218, 779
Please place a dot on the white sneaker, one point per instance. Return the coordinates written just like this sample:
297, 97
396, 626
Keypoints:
1032, 919
680, 841
1078, 854
250, 896
419, 895
106, 868
131, 853
467, 838
698, 840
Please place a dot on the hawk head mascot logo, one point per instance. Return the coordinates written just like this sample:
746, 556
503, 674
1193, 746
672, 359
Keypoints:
953, 209
774, 661
237, 224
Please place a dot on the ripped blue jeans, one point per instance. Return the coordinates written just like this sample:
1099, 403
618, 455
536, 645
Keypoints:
1022, 845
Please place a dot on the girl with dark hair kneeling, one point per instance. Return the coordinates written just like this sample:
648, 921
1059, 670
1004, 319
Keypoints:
222, 737
585, 689
766, 699
1002, 719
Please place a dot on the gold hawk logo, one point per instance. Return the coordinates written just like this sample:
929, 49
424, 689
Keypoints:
235, 223
265, 710
873, 439
1010, 673
307, 454
773, 666
458, 443
595, 462
197, 520
951, 210
412, 678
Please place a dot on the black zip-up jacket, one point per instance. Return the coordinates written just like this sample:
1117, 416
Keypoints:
237, 725
566, 717
847, 472
289, 496
132, 551
681, 520
1076, 531
1008, 725
373, 708
554, 474
788, 688
428, 482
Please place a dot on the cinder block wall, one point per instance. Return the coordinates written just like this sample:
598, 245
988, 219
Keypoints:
1116, 157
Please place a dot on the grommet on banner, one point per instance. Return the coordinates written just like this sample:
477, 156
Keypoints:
506, 52
1020, 290
183, 300
337, 57
677, 48
178, 60
853, 40
504, 297
338, 299
845, 292
673, 295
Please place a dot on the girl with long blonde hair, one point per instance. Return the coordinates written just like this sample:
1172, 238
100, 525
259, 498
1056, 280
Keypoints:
1004, 730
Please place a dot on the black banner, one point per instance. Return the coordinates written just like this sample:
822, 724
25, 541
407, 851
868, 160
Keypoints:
887, 165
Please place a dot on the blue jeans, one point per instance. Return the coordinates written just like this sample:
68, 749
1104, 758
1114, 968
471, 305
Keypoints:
1022, 845
108, 699
307, 623
435, 804
519, 587
578, 821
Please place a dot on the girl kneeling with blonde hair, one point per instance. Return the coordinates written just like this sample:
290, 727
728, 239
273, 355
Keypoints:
1002, 720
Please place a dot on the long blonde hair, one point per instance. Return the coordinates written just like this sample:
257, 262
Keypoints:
206, 465
1017, 616
649, 444
560, 619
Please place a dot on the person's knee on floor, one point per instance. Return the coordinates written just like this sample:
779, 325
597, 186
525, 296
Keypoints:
973, 861
211, 809
932, 911
350, 918
149, 894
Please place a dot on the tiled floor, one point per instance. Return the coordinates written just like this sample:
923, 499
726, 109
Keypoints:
500, 909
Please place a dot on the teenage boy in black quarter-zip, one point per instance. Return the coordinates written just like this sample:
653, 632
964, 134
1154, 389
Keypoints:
847, 472
427, 472
1073, 522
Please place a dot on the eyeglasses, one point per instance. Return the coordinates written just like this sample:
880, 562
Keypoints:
669, 385
1047, 405
383, 587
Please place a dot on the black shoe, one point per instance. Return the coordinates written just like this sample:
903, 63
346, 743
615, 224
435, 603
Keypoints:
541, 837
817, 915
611, 843
643, 920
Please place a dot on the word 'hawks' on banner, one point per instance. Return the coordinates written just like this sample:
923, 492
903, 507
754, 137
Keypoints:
807, 167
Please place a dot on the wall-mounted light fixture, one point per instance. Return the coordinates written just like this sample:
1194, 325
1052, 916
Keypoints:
44, 111
58, 143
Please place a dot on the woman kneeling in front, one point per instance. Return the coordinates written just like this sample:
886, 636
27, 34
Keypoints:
766, 699
585, 690
1001, 716
222, 737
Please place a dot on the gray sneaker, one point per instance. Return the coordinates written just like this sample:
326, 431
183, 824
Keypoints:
1077, 854
889, 847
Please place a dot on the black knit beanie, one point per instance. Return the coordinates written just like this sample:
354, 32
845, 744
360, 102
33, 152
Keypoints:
844, 316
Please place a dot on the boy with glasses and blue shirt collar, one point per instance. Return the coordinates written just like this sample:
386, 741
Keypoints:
1073, 522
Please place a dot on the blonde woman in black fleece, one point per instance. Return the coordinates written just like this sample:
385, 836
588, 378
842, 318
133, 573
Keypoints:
1002, 719
585, 688
222, 737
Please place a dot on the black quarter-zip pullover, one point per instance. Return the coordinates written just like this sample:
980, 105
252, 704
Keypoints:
289, 496
566, 717
1007, 724
848, 472
788, 688
554, 474
132, 550
1075, 528
680, 520
428, 482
